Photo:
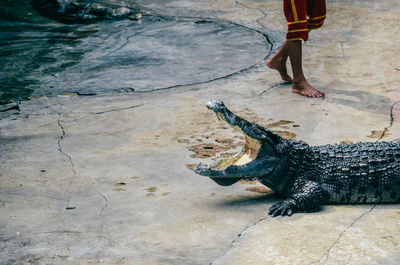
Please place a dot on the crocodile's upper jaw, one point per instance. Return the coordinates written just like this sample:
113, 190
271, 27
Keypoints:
228, 171
250, 149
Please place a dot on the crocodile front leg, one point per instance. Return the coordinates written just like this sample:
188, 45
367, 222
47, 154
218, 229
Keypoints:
308, 199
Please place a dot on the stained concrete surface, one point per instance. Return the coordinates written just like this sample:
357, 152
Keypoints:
102, 179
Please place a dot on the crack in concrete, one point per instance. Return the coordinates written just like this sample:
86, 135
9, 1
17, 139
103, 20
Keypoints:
395, 68
267, 38
274, 86
58, 232
60, 148
113, 110
272, 48
242, 231
258, 10
269, 89
343, 54
391, 121
208, 81
105, 199
15, 107
72, 163
32, 196
326, 254
39, 233
85, 113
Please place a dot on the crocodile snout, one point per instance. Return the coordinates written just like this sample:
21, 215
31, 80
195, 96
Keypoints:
215, 105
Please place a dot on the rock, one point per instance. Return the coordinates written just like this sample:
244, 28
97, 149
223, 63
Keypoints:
137, 16
99, 10
81, 12
120, 12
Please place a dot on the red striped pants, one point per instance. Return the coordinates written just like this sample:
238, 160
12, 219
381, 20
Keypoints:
302, 17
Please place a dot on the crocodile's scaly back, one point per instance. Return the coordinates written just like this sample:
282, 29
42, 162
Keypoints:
356, 173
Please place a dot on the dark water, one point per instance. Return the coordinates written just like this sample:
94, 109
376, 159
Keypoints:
39, 56
30, 55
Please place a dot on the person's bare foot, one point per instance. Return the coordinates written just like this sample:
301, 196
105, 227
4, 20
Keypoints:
306, 89
280, 66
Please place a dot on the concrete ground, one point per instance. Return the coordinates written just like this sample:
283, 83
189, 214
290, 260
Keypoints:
104, 179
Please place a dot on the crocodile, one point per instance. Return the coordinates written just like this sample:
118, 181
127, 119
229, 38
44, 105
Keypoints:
308, 176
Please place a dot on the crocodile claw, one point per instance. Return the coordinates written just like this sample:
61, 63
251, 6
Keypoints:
281, 208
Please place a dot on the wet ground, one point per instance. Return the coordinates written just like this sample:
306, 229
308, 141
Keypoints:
104, 178
46, 58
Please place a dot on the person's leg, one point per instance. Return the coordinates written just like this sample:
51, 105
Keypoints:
278, 62
298, 27
300, 83
295, 13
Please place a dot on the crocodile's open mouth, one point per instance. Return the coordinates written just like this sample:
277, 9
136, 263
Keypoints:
255, 153
248, 153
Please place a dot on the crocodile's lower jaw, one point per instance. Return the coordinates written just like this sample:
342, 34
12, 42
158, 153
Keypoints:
249, 153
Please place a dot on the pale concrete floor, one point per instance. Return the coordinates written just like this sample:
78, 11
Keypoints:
89, 180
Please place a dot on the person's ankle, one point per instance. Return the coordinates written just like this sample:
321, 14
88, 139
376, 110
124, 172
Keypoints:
299, 81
